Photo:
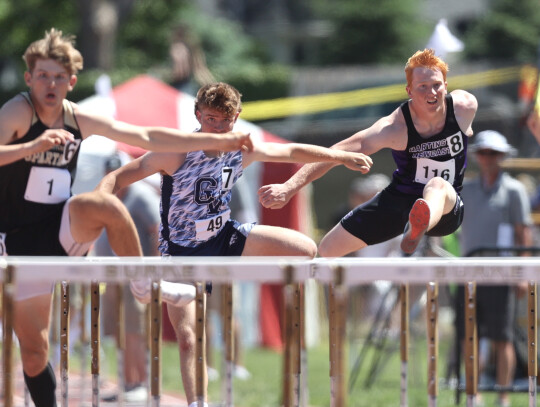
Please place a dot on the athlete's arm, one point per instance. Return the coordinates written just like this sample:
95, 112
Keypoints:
387, 132
465, 106
15, 119
306, 153
160, 139
140, 168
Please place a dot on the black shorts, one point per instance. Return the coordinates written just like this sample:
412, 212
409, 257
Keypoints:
230, 241
495, 312
385, 216
40, 239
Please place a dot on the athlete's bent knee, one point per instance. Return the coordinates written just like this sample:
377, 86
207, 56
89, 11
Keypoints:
437, 183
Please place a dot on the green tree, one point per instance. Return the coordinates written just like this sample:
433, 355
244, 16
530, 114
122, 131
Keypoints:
367, 31
510, 30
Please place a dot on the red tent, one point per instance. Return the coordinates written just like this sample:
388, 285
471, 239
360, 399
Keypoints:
147, 101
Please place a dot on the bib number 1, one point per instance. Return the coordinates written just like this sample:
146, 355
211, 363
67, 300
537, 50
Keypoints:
48, 185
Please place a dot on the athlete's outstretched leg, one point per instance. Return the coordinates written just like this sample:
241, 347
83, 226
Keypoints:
276, 241
338, 242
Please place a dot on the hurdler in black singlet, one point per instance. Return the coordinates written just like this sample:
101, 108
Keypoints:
441, 155
34, 189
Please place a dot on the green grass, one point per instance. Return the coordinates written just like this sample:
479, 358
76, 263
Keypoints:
264, 387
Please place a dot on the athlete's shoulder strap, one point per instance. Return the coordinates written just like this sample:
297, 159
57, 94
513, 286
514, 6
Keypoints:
69, 115
405, 110
26, 96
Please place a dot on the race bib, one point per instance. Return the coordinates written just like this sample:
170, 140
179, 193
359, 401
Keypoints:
48, 185
455, 144
427, 169
207, 228
3, 251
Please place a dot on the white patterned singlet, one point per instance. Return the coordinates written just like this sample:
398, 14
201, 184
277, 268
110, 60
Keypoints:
195, 199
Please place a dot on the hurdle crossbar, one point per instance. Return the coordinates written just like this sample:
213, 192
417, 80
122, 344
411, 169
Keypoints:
338, 273
485, 270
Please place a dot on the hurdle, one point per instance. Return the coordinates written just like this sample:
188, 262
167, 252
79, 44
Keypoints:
95, 340
227, 318
336, 273
404, 342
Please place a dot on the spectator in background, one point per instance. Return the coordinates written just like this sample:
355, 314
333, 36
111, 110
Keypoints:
497, 215
189, 70
142, 202
365, 299
361, 190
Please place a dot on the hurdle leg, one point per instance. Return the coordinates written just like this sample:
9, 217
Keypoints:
7, 331
296, 368
120, 340
227, 318
337, 320
83, 337
433, 341
155, 343
200, 343
304, 391
533, 347
95, 340
471, 345
291, 354
64, 341
404, 341
287, 341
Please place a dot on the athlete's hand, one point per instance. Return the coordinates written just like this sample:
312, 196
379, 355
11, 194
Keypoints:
274, 196
237, 140
357, 162
50, 138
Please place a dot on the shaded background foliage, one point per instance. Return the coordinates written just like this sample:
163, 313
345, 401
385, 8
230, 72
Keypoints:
127, 37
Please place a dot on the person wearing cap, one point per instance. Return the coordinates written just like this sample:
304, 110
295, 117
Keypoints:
498, 215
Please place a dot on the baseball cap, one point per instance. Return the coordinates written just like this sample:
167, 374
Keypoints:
492, 140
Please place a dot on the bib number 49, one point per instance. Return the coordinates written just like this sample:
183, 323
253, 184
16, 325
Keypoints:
215, 224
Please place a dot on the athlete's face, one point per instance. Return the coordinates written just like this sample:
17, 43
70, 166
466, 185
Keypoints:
49, 82
214, 121
489, 161
427, 88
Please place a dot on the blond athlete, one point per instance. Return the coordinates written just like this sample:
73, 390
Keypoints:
40, 135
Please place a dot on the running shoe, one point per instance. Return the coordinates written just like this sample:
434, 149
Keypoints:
416, 226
